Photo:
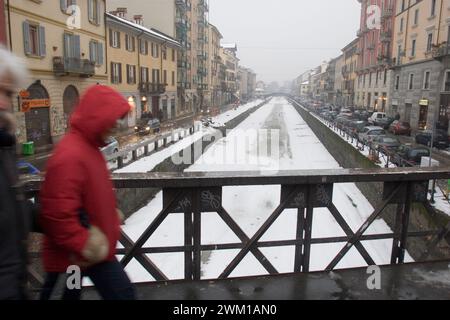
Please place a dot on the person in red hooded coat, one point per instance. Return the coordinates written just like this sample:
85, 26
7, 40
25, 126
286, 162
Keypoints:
79, 212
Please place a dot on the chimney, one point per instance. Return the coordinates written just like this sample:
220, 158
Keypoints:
138, 19
122, 13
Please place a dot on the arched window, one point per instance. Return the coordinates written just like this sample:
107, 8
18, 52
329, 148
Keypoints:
70, 100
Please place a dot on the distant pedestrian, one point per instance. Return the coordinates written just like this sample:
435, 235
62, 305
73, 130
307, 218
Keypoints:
15, 214
79, 210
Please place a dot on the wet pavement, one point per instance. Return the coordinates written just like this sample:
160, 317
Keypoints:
417, 281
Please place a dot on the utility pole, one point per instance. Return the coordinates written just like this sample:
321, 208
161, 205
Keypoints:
431, 156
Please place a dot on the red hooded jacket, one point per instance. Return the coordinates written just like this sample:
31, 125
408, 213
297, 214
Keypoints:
77, 179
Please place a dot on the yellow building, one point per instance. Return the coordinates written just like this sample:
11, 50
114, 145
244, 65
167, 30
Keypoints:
349, 76
63, 46
231, 64
421, 64
143, 66
214, 60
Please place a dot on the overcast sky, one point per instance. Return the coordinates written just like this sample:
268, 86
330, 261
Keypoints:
280, 39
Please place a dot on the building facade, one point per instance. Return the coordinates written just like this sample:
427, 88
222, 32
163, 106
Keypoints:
64, 56
187, 22
230, 68
348, 72
421, 69
143, 67
375, 55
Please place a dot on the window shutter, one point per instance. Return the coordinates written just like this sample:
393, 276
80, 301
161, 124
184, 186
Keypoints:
100, 53
91, 51
42, 49
133, 42
118, 40
112, 73
99, 16
63, 5
146, 47
66, 45
128, 74
126, 42
120, 72
110, 37
26, 37
90, 12
76, 46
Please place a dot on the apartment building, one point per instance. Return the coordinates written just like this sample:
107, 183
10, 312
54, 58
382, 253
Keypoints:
64, 49
348, 72
421, 69
375, 54
143, 66
187, 22
338, 81
214, 97
231, 63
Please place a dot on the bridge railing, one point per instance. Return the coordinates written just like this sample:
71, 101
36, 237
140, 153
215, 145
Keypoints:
193, 194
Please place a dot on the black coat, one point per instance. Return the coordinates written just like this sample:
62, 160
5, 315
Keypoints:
14, 225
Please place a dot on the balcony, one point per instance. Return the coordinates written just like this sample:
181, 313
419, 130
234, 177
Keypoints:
203, 5
64, 66
152, 88
181, 5
371, 46
441, 51
387, 13
386, 36
202, 55
181, 22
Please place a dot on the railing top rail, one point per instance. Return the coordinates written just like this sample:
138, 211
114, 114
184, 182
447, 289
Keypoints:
218, 179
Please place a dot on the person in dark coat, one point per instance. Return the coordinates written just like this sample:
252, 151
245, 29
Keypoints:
79, 210
15, 219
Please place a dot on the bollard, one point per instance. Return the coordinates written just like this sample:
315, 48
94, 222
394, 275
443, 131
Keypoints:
146, 153
134, 155
165, 142
120, 162
156, 145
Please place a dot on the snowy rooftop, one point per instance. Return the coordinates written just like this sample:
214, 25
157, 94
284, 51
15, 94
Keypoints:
150, 32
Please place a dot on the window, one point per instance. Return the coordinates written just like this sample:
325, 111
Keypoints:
399, 54
72, 46
397, 82
433, 8
155, 50
403, 6
65, 4
131, 74
144, 75
34, 39
426, 80
413, 48
411, 82
155, 76
416, 17
165, 77
116, 73
164, 53
94, 11
129, 43
385, 77
96, 52
447, 81
401, 24
143, 47
114, 38
173, 55
429, 42
173, 78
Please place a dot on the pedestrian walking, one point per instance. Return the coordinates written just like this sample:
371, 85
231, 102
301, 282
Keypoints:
16, 215
79, 211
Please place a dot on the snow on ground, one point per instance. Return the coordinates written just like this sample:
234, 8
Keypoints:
299, 149
147, 164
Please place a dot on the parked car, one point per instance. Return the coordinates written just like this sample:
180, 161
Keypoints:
371, 132
384, 122
440, 140
357, 126
407, 155
112, 147
376, 116
385, 144
148, 127
400, 128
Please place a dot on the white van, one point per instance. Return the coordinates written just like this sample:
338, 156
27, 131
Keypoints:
377, 116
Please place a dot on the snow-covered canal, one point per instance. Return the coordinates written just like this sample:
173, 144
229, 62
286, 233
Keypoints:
299, 149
